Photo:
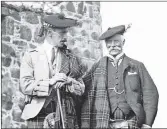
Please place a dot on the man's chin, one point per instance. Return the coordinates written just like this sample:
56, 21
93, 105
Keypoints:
114, 53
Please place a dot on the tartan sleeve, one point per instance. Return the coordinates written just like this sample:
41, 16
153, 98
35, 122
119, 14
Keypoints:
88, 78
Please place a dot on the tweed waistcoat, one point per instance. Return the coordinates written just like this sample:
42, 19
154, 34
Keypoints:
114, 80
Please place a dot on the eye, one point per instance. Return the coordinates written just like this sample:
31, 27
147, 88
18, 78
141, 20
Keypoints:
108, 46
116, 41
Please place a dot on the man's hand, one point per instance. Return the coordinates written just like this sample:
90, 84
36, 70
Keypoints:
59, 77
59, 85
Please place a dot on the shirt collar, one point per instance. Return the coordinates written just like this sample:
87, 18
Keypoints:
116, 61
119, 56
47, 46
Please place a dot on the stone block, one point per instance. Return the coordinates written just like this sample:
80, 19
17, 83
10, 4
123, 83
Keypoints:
7, 26
4, 11
85, 9
62, 7
97, 54
6, 61
16, 63
6, 122
32, 46
6, 38
3, 71
15, 73
25, 33
21, 44
7, 100
31, 17
70, 7
10, 26
3, 113
15, 14
7, 50
3, 25
16, 113
17, 30
84, 33
90, 12
21, 103
80, 8
95, 36
5, 75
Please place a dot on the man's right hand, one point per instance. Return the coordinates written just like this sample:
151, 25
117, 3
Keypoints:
59, 77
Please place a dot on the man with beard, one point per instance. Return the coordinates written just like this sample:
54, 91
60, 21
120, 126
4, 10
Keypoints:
119, 90
47, 68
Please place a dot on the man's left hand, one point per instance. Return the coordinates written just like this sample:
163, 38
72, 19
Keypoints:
60, 84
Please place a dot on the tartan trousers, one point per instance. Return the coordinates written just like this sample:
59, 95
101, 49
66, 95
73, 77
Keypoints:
118, 117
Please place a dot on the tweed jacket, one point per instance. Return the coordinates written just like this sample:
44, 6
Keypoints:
35, 67
141, 94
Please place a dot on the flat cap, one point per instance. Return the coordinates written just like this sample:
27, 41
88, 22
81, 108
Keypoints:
59, 21
112, 31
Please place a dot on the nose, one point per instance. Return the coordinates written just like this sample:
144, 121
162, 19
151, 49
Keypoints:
113, 43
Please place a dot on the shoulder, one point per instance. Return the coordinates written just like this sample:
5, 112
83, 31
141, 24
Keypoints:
97, 64
134, 61
31, 53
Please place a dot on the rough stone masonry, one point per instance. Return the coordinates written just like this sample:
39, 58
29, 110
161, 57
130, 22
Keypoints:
20, 23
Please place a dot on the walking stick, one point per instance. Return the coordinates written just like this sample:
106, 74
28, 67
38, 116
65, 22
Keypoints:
60, 108
58, 91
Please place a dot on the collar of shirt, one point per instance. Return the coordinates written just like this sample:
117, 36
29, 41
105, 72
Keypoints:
117, 59
48, 49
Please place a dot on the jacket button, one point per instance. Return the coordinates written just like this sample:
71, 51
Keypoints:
116, 77
117, 71
116, 83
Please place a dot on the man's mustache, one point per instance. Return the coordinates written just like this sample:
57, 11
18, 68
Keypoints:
115, 48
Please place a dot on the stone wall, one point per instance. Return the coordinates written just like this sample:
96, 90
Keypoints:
20, 22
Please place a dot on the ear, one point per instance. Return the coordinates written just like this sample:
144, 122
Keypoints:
49, 33
123, 42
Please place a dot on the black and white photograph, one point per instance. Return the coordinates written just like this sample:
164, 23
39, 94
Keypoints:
83, 64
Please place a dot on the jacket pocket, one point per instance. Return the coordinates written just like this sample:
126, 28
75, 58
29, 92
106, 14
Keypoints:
134, 82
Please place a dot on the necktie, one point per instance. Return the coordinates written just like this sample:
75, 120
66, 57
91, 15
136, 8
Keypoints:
53, 55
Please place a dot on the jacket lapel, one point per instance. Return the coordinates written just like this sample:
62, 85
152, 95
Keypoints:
42, 66
125, 62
